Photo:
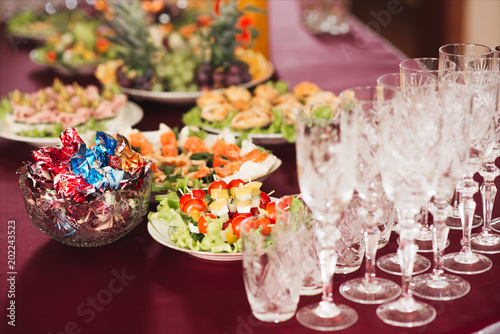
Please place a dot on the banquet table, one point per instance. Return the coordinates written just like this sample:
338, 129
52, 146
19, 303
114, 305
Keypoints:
137, 285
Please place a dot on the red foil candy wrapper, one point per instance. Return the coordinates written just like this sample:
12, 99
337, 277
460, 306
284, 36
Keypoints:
69, 185
72, 143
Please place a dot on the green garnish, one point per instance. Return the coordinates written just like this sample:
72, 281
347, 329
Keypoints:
323, 112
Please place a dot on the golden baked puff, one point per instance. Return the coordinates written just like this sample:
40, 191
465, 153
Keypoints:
304, 89
239, 97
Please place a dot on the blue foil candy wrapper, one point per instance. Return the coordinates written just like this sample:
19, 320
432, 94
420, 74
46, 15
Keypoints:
105, 142
80, 166
97, 179
96, 157
113, 176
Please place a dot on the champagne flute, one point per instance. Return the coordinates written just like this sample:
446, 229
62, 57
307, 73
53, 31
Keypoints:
408, 83
488, 72
410, 141
495, 223
456, 103
482, 142
438, 69
326, 156
369, 101
461, 54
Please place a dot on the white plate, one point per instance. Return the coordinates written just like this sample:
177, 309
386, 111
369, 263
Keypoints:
33, 36
257, 138
165, 240
186, 97
128, 116
66, 69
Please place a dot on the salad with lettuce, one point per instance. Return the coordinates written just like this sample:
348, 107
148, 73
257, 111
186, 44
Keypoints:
210, 220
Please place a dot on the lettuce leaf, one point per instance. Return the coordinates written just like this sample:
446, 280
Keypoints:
169, 215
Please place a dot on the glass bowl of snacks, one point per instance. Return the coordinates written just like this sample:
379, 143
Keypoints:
86, 197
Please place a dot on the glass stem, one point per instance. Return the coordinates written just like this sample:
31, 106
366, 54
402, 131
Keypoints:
425, 231
439, 235
371, 237
468, 187
407, 252
327, 260
455, 212
488, 193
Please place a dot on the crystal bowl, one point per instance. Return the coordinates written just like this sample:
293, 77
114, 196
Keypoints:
101, 220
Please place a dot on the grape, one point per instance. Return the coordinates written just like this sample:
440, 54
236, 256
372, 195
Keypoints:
234, 69
145, 81
219, 77
233, 79
177, 70
203, 78
122, 78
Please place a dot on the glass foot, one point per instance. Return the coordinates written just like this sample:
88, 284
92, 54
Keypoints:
455, 223
311, 290
448, 287
485, 243
425, 246
379, 291
390, 264
406, 313
495, 225
469, 264
325, 317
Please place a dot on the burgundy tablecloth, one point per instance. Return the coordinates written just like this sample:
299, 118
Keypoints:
139, 286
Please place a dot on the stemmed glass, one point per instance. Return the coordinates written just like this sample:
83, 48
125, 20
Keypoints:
482, 142
437, 69
456, 103
488, 72
407, 83
326, 156
488, 243
461, 54
369, 102
410, 142
495, 223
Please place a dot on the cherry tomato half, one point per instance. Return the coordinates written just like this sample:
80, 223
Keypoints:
195, 193
194, 204
236, 222
284, 203
264, 199
217, 185
271, 211
266, 224
202, 222
235, 183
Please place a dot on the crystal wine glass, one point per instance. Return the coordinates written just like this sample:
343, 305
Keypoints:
369, 101
437, 69
490, 64
488, 75
326, 156
482, 142
410, 141
456, 103
461, 54
408, 83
